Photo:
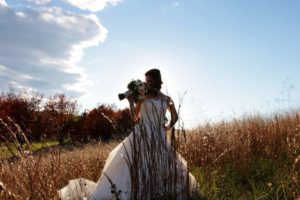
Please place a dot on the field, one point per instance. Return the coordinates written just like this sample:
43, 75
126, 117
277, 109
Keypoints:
253, 157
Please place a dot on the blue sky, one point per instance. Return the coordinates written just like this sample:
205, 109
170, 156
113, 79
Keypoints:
231, 57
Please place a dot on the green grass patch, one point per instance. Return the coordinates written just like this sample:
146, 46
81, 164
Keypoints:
262, 179
9, 150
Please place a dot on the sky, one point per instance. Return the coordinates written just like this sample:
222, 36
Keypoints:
225, 58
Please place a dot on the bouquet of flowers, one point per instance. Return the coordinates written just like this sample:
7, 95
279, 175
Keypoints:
137, 88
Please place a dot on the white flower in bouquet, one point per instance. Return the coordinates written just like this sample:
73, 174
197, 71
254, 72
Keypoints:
137, 88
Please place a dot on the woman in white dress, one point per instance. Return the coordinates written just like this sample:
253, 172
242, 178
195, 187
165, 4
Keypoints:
145, 165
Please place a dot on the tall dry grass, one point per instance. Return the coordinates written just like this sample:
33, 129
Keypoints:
156, 172
250, 158
254, 157
40, 176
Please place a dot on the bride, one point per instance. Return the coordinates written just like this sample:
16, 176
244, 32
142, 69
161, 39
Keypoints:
145, 165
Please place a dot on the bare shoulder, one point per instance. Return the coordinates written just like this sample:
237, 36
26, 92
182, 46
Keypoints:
164, 96
167, 98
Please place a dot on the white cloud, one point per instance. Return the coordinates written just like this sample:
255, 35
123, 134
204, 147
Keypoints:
175, 4
40, 2
171, 5
3, 3
40, 49
92, 5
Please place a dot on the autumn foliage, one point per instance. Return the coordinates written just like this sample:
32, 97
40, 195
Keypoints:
58, 118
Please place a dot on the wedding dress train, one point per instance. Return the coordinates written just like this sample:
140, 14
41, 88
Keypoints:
143, 166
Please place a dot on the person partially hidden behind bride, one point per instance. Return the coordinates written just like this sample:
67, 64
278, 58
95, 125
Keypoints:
144, 165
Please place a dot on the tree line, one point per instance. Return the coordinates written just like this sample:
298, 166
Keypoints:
58, 118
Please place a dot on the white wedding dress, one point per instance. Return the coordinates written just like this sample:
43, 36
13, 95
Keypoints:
143, 166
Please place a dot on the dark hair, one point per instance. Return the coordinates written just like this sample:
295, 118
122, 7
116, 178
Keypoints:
155, 75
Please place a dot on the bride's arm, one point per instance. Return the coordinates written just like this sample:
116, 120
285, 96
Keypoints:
174, 115
135, 109
138, 106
